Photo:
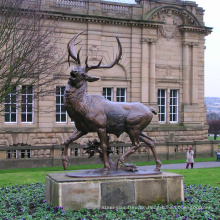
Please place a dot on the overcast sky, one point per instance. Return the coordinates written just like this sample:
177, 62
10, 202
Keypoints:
212, 57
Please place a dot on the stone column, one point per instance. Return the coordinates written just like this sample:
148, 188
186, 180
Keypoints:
186, 91
152, 72
148, 70
190, 73
194, 82
145, 71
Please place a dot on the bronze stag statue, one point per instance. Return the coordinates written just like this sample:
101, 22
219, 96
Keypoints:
94, 113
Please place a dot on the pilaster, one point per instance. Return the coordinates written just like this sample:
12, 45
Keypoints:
148, 70
190, 72
185, 72
194, 73
145, 72
152, 72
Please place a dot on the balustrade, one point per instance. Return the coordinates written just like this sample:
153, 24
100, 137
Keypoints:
83, 5
115, 8
42, 156
70, 4
45, 152
76, 150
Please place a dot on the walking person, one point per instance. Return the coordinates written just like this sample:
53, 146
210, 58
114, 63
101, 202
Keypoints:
189, 158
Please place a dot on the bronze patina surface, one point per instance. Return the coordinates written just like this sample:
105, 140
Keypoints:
94, 113
111, 173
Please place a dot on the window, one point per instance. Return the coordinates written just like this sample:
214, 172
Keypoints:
61, 114
108, 93
123, 150
75, 151
161, 101
173, 105
121, 95
12, 154
117, 150
25, 153
11, 106
27, 104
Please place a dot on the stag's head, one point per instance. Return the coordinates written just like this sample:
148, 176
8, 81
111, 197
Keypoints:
79, 74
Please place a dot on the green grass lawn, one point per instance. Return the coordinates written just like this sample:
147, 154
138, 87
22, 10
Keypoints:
204, 176
212, 138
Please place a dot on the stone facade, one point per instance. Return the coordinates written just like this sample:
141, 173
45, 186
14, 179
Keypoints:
163, 50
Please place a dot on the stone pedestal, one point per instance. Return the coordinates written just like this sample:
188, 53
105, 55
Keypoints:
114, 191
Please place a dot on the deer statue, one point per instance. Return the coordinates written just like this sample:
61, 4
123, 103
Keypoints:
94, 113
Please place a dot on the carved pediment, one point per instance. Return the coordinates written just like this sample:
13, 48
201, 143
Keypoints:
171, 21
171, 18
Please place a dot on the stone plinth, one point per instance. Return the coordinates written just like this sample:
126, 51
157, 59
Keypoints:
118, 191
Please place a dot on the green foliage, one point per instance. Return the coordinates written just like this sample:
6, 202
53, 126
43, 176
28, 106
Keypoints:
28, 202
203, 176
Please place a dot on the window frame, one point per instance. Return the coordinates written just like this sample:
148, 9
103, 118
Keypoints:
119, 97
11, 152
60, 104
26, 104
159, 101
106, 96
172, 106
10, 94
25, 153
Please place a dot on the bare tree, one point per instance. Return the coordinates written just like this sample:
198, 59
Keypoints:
213, 116
28, 52
214, 127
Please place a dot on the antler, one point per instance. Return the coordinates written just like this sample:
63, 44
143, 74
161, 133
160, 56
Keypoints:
72, 53
71, 49
110, 65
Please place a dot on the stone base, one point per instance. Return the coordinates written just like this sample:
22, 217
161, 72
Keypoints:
114, 191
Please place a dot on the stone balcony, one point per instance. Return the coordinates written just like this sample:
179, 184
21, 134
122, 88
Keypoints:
109, 9
94, 8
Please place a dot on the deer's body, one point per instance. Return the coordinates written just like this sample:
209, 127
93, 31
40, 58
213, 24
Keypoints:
94, 113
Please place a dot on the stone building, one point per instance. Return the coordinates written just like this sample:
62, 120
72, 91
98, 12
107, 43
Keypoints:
162, 66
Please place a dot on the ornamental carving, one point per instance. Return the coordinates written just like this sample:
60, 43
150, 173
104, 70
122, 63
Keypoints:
94, 53
149, 40
171, 72
195, 44
169, 28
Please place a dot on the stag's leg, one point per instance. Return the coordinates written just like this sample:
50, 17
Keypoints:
111, 163
74, 136
147, 140
104, 145
135, 145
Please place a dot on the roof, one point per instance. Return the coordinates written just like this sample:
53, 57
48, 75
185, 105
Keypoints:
122, 1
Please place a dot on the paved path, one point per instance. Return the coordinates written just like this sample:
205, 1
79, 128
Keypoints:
183, 165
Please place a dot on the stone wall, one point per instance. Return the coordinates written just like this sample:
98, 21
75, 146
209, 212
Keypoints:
50, 156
